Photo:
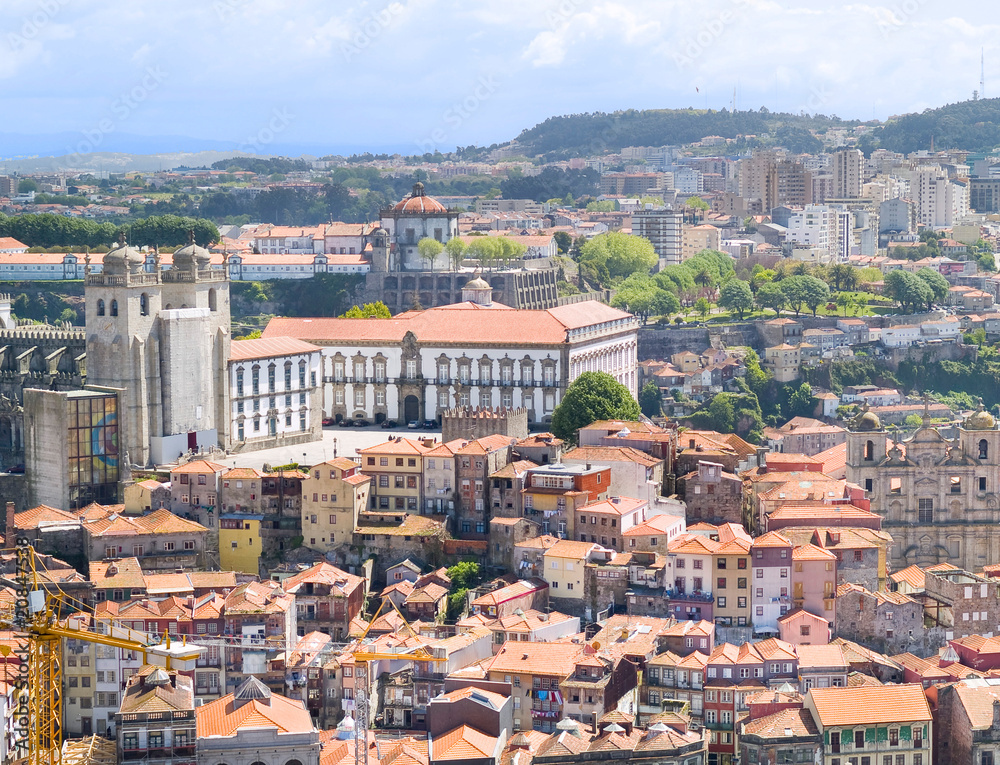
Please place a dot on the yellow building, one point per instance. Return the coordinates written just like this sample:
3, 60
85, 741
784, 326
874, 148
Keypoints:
146, 496
332, 497
565, 564
396, 468
732, 576
783, 362
240, 542
694, 239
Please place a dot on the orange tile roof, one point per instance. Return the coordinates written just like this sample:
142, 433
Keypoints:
463, 743
399, 445
658, 524
222, 718
33, 518
198, 466
912, 575
598, 454
242, 473
530, 658
126, 573
447, 326
867, 705
270, 347
812, 552
771, 539
787, 722
341, 582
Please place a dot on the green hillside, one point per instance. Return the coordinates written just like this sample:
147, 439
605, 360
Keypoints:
969, 125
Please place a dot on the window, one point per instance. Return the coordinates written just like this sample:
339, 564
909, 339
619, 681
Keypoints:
722, 602
925, 510
895, 486
984, 447
859, 739
982, 487
893, 736
869, 451
114, 311
100, 308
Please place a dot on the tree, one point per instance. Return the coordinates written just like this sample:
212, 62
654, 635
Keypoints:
621, 254
563, 241
938, 284
429, 249
844, 300
801, 402
592, 396
805, 291
378, 310
696, 203
649, 400
27, 185
770, 295
907, 289
641, 295
455, 248
736, 296
509, 249
464, 575
843, 276
484, 249
703, 307
759, 277
757, 377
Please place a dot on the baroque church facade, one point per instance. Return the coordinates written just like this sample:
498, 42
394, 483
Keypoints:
939, 497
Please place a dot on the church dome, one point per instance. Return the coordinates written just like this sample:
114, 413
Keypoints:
123, 259
419, 202
477, 282
192, 253
980, 420
866, 422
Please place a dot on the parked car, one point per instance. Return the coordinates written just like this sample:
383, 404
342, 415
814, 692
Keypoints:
344, 424
430, 424
361, 423
386, 424
413, 424
328, 421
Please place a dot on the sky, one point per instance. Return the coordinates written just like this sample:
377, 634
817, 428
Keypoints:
420, 75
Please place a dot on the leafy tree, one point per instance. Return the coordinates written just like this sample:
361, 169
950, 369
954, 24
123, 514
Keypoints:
563, 241
27, 185
641, 295
938, 284
800, 402
621, 254
843, 276
254, 334
592, 396
913, 421
429, 249
770, 295
805, 291
907, 289
759, 277
378, 310
649, 400
455, 247
736, 296
604, 206
484, 249
757, 377
509, 249
697, 203
464, 575
703, 307
723, 412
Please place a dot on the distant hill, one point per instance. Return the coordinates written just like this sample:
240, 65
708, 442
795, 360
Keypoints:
582, 134
968, 125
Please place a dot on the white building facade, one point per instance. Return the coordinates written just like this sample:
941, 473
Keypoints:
416, 365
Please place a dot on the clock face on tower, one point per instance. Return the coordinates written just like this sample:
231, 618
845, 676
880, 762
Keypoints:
107, 326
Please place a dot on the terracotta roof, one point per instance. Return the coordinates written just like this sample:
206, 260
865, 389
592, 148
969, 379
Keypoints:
487, 444
912, 575
784, 724
400, 445
830, 655
771, 539
265, 348
600, 454
517, 657
33, 518
447, 326
242, 473
341, 582
658, 524
223, 718
614, 506
568, 548
865, 705
125, 572
141, 698
503, 594
978, 703
198, 466
812, 552
210, 579
412, 525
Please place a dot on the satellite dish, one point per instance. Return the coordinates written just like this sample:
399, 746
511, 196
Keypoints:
596, 645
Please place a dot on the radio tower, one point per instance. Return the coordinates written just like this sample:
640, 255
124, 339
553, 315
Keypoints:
982, 73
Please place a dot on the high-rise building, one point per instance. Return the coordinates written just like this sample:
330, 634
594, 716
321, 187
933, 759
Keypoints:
848, 165
663, 229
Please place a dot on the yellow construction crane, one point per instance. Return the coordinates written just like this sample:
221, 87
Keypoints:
366, 652
38, 715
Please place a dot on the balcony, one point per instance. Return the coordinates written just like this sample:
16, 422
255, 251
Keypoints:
696, 596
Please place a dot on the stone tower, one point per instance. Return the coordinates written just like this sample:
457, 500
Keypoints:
380, 251
163, 337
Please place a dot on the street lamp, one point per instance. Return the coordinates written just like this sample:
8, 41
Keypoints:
335, 447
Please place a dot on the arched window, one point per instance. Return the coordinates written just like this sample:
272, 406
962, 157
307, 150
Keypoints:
114, 307
288, 375
100, 308
212, 300
984, 449
144, 304
869, 450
